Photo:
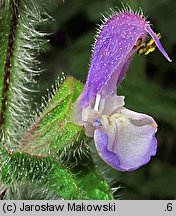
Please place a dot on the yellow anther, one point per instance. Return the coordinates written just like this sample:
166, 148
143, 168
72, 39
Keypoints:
150, 49
152, 42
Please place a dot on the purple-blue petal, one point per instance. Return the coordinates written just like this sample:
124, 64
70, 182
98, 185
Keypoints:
120, 37
112, 53
101, 143
116, 159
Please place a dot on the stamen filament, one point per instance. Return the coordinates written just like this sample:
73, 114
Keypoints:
97, 102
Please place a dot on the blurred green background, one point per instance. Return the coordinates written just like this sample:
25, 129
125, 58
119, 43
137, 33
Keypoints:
149, 87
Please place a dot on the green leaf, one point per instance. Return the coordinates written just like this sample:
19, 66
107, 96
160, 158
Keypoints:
63, 91
53, 132
28, 191
92, 182
21, 168
53, 140
78, 88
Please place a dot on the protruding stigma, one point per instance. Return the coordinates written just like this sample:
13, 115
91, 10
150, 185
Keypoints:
157, 42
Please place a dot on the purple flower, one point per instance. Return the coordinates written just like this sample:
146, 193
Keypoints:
124, 139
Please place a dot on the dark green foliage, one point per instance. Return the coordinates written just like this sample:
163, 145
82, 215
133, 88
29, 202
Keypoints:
19, 167
28, 191
94, 188
49, 174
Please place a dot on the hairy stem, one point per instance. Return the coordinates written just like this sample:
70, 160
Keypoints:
20, 43
11, 41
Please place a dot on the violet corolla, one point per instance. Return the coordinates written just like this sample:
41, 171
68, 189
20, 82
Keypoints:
123, 138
